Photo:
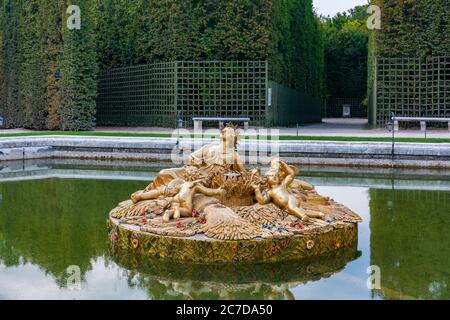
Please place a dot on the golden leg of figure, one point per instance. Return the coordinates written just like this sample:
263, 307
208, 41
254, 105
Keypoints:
301, 213
136, 197
297, 212
176, 214
185, 212
293, 209
315, 214
167, 215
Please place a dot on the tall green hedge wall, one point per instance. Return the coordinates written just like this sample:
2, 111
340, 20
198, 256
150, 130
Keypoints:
413, 28
285, 32
296, 46
35, 44
409, 28
9, 62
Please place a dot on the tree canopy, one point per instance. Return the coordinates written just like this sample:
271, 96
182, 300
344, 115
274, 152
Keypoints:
346, 40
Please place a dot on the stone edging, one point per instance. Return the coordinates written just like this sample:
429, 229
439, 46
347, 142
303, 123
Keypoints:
377, 154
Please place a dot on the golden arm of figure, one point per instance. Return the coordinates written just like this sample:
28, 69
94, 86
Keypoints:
208, 191
197, 158
300, 184
290, 173
239, 166
170, 190
147, 195
260, 197
172, 172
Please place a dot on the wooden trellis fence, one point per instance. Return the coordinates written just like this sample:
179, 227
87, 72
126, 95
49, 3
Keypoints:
412, 87
155, 94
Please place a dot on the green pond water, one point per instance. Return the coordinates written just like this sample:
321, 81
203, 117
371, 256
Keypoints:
53, 216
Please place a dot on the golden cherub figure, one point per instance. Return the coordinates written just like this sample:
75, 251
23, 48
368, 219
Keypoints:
180, 194
279, 192
182, 204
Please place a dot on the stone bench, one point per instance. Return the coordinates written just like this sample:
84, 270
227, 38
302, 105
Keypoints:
198, 121
423, 121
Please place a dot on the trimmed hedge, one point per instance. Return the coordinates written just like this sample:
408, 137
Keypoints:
297, 48
35, 44
32, 70
9, 62
413, 28
409, 28
78, 63
287, 33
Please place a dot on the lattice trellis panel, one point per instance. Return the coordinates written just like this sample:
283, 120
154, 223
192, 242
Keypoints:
138, 95
154, 94
222, 88
412, 87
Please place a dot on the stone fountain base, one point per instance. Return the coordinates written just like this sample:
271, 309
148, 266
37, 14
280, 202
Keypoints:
213, 210
199, 248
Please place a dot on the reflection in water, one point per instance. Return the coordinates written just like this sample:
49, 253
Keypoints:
163, 280
55, 223
47, 225
410, 242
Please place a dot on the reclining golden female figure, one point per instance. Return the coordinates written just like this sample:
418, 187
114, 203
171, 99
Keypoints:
279, 193
167, 183
169, 190
223, 154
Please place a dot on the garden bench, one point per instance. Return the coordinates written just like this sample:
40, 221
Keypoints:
423, 121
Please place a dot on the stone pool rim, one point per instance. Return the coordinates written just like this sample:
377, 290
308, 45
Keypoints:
335, 153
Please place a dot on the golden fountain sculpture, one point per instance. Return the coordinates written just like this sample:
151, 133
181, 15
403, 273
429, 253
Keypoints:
213, 210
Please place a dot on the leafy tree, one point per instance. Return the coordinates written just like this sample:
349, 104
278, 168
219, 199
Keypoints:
346, 43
